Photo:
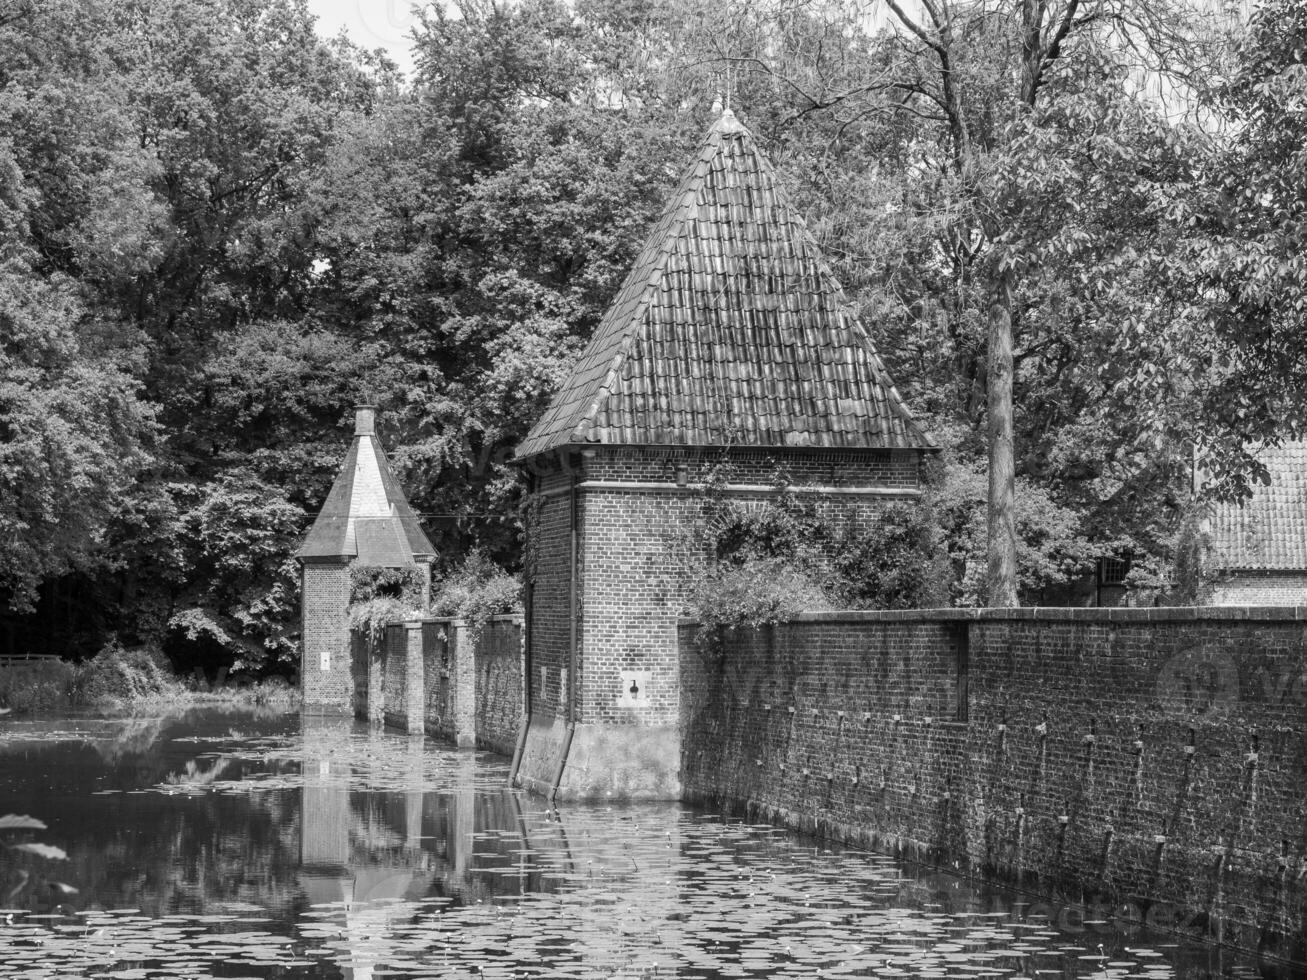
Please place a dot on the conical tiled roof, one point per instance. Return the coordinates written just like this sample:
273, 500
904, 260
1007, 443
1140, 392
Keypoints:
366, 515
729, 330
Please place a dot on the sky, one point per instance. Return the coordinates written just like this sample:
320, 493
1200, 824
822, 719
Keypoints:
370, 24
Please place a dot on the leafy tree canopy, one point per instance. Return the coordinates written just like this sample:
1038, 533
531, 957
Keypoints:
218, 231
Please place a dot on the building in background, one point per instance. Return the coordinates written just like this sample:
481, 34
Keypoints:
1257, 552
366, 520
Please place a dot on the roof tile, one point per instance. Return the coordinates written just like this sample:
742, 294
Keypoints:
366, 515
1269, 532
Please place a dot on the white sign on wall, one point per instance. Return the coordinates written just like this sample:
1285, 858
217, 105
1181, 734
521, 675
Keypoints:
324, 660
635, 688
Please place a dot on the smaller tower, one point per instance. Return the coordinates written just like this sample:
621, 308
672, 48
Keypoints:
366, 519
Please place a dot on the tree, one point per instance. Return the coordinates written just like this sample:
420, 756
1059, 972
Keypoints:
1027, 175
1247, 263
220, 231
149, 189
478, 225
73, 436
74, 429
997, 124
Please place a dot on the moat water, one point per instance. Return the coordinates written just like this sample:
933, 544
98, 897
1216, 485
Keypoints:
258, 846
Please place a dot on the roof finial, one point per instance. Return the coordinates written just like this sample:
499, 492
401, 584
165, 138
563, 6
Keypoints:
365, 419
726, 121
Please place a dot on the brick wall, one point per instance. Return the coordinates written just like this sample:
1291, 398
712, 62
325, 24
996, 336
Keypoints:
1154, 760
549, 571
403, 676
631, 601
499, 684
395, 675
445, 705
1258, 588
325, 629
438, 702
859, 719
430, 675
368, 665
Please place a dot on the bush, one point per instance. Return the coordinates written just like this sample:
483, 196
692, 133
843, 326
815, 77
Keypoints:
756, 562
1052, 547
36, 685
116, 675
372, 616
274, 692
1189, 566
897, 563
476, 590
380, 596
406, 584
754, 592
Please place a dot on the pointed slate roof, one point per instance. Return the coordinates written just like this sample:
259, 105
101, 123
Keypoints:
729, 330
1269, 532
366, 515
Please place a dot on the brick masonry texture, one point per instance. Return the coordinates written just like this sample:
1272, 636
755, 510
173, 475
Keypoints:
368, 665
433, 676
631, 601
437, 697
395, 676
1152, 759
325, 590
1263, 589
403, 677
549, 574
499, 684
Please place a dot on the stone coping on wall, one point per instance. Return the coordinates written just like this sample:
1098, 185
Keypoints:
1071, 614
747, 489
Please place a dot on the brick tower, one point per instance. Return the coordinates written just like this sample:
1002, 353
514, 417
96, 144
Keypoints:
730, 339
366, 519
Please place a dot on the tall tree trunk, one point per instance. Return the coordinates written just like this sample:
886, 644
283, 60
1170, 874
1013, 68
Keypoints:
1001, 580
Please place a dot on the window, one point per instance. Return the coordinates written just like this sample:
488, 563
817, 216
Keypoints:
1112, 571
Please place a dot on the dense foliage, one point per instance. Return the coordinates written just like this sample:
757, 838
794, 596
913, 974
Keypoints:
379, 596
124, 676
475, 590
218, 231
406, 584
37, 685
755, 561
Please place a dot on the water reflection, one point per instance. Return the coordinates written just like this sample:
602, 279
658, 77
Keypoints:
360, 859
225, 845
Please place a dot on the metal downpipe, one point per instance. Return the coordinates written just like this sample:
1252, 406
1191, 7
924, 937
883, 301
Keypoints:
528, 612
572, 636
525, 724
